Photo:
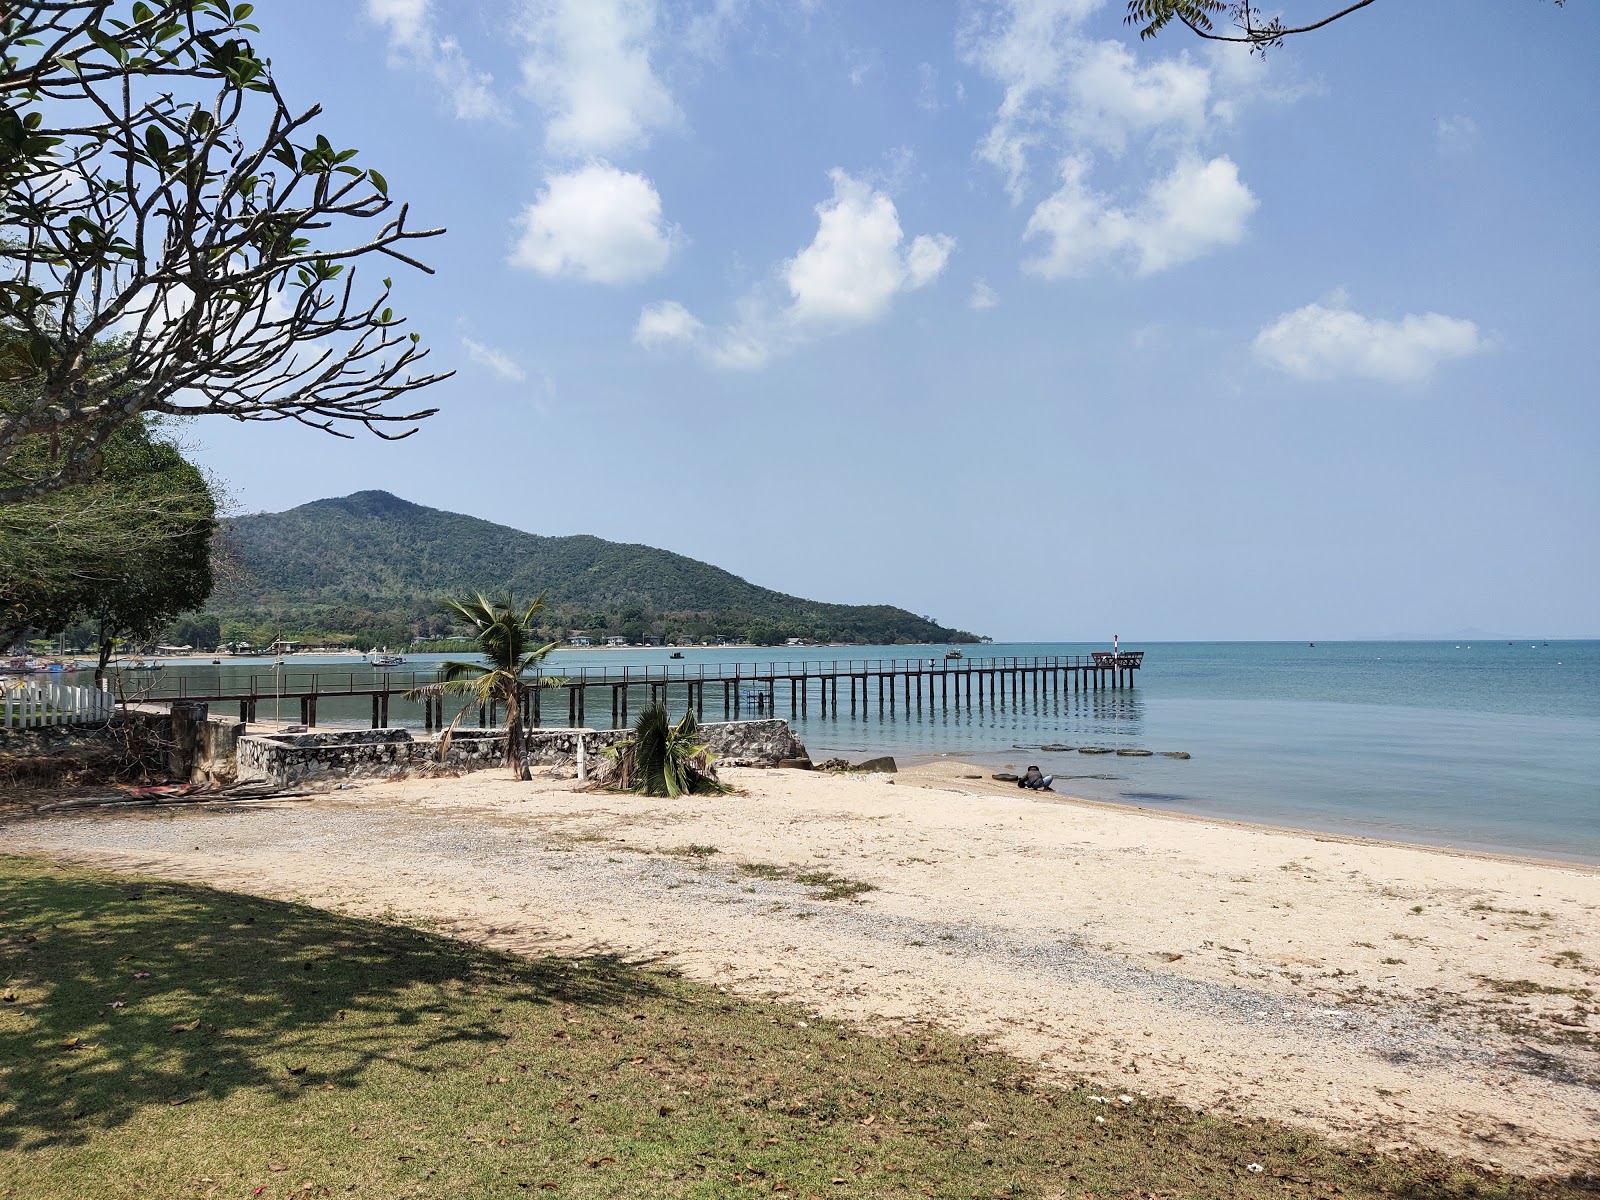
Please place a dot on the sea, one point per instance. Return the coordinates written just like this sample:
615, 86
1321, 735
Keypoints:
1483, 745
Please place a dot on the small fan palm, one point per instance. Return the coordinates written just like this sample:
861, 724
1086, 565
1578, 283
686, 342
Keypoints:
663, 759
505, 633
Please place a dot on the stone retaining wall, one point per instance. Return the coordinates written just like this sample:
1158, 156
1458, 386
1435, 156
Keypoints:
380, 753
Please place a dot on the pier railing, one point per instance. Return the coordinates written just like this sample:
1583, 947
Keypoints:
286, 681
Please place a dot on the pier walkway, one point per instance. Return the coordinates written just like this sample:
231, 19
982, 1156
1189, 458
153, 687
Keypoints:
736, 689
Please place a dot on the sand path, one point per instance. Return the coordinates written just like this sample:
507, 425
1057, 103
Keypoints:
1395, 994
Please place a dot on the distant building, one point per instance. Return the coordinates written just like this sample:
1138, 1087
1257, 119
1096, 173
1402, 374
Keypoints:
616, 640
794, 642
577, 637
652, 639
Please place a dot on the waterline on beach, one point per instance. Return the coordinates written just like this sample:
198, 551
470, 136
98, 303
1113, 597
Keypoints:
1490, 747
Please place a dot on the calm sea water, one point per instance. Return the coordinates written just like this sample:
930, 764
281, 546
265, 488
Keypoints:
1483, 745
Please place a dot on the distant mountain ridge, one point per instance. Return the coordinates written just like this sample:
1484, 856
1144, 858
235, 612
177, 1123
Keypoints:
374, 563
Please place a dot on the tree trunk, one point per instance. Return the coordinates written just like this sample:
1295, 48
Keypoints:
514, 732
105, 655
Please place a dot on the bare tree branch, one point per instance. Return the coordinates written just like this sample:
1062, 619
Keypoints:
164, 194
1259, 33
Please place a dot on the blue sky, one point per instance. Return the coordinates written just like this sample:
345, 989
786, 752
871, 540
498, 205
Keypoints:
990, 310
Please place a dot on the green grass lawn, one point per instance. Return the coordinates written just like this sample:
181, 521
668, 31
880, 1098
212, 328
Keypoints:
158, 1039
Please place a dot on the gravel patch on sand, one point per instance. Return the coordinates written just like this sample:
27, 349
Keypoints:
1389, 993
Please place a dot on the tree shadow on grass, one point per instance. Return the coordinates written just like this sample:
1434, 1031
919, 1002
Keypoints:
119, 993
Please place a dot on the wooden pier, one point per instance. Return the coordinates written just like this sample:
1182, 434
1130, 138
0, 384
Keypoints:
735, 690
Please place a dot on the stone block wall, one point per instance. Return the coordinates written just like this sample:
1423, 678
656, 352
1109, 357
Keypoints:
387, 753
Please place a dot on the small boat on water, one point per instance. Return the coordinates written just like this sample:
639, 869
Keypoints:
676, 654
954, 654
385, 659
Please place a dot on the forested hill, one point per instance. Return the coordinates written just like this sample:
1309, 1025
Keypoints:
374, 565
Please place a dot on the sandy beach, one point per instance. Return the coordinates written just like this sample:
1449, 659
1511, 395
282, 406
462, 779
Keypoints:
1404, 996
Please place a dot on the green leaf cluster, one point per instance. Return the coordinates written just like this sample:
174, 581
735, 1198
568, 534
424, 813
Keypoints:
127, 552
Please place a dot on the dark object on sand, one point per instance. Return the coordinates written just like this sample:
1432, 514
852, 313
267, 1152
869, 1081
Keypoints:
1035, 780
1004, 777
885, 764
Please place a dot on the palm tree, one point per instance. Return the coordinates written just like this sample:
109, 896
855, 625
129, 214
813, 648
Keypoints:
505, 632
663, 759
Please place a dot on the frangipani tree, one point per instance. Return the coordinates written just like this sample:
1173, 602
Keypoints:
180, 240
505, 632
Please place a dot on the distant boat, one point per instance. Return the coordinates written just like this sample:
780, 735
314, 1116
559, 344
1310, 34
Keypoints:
216, 662
954, 654
676, 654
1313, 645
385, 660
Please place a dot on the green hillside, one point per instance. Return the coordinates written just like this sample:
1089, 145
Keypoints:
371, 567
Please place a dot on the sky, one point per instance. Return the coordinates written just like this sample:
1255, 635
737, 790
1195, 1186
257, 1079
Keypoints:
990, 310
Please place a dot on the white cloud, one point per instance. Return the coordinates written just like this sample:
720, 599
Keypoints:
1194, 209
1028, 47
927, 87
666, 322
1070, 99
589, 63
848, 276
1111, 97
983, 296
1456, 134
853, 268
500, 363
1325, 342
414, 42
702, 34
599, 224
1063, 90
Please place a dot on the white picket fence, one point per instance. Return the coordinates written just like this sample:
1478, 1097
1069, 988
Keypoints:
26, 705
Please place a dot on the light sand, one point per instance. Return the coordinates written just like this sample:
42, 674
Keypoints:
1367, 990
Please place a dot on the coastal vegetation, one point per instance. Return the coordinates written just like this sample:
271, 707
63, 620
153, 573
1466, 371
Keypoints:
121, 555
366, 570
505, 637
167, 1039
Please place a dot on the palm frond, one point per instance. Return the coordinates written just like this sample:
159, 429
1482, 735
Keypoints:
663, 759
457, 670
